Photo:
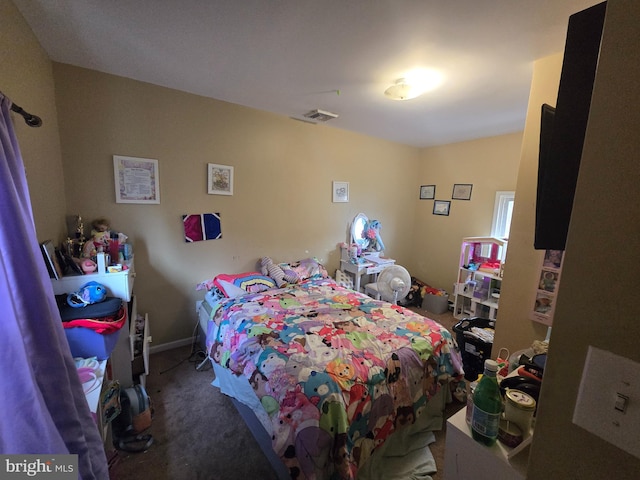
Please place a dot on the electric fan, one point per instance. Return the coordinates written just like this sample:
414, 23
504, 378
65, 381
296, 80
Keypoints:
393, 283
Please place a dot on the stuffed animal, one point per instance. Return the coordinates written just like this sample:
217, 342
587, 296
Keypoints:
275, 271
101, 233
99, 241
92, 292
372, 232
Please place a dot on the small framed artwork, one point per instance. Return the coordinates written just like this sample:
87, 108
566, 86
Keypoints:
546, 291
548, 281
220, 179
340, 192
462, 191
51, 260
427, 192
441, 207
543, 304
552, 258
137, 180
203, 226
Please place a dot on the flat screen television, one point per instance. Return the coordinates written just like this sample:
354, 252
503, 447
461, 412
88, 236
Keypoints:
547, 116
563, 129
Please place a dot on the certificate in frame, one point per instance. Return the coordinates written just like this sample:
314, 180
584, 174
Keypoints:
427, 192
137, 180
461, 191
441, 207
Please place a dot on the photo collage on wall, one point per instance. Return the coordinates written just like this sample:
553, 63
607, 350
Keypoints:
544, 302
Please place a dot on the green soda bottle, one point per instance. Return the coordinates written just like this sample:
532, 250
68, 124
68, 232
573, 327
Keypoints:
487, 406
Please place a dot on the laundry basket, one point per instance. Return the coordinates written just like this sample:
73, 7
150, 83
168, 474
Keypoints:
475, 339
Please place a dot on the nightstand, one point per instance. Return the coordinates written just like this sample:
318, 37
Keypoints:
467, 459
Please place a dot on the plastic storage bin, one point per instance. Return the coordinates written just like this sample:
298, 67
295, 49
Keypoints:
87, 343
435, 303
473, 349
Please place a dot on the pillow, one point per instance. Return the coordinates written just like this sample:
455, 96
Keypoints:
252, 282
230, 290
307, 269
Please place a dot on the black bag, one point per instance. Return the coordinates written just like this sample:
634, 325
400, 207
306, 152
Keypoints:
135, 416
107, 308
473, 350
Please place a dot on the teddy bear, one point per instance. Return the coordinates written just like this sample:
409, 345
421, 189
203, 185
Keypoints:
275, 271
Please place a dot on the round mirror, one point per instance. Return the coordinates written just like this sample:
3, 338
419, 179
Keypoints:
358, 230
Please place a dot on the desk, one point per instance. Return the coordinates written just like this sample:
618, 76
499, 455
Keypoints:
359, 269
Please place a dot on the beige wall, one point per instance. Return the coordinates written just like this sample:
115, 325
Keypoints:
281, 206
596, 299
515, 331
26, 78
490, 164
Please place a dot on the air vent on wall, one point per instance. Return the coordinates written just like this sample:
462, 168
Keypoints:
320, 115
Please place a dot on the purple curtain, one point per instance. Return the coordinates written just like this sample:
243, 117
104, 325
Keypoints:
42, 404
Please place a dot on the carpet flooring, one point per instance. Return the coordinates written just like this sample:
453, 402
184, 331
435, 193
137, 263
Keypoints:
198, 433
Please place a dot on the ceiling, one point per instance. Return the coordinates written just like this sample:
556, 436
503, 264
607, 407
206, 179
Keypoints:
292, 56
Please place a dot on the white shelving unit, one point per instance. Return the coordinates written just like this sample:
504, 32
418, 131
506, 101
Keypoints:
123, 365
479, 278
119, 284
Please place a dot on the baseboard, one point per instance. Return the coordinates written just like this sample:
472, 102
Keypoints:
171, 345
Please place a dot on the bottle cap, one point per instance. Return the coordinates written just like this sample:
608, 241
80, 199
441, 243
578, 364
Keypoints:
491, 365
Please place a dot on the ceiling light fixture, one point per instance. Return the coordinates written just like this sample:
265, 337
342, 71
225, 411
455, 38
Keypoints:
401, 90
414, 84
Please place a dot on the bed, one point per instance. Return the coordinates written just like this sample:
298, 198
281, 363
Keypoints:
331, 379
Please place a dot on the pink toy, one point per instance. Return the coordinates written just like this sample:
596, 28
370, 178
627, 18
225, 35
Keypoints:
88, 266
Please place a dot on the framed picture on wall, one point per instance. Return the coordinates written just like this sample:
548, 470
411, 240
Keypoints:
441, 207
462, 191
219, 179
340, 192
137, 180
427, 192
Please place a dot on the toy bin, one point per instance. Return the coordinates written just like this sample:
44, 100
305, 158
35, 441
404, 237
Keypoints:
437, 304
86, 343
475, 339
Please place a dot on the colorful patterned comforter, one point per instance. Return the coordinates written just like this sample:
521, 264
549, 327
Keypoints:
336, 371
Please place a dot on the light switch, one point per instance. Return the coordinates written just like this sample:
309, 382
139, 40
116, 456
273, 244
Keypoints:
608, 403
621, 402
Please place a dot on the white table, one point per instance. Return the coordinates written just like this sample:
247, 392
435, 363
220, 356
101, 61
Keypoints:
465, 458
359, 269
